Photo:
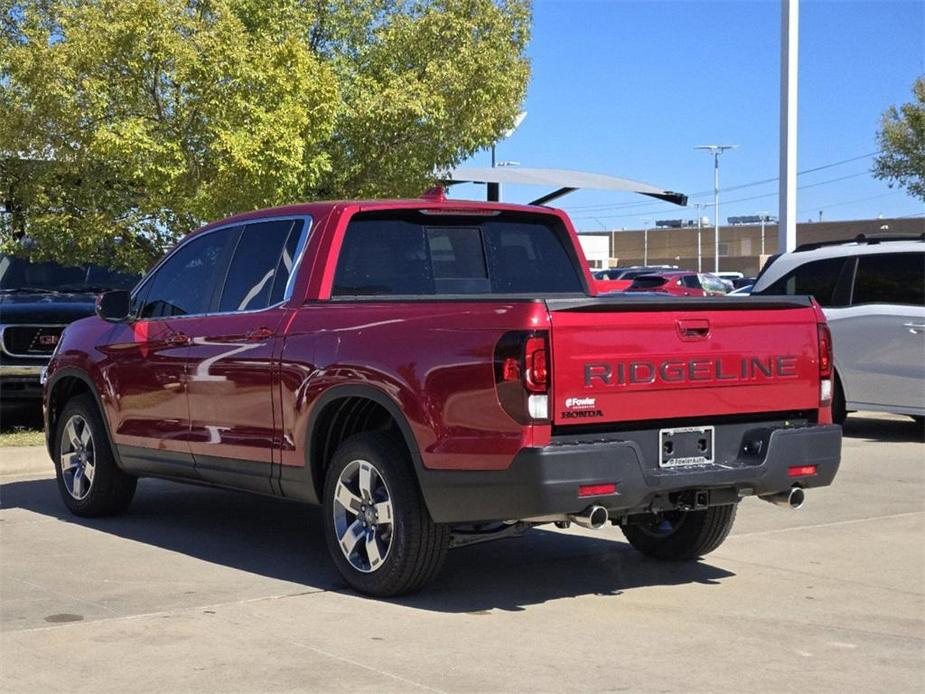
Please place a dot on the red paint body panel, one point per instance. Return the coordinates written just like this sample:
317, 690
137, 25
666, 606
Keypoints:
670, 374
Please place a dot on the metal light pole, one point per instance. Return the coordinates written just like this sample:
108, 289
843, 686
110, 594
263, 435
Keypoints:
789, 60
716, 150
494, 189
645, 242
764, 217
699, 206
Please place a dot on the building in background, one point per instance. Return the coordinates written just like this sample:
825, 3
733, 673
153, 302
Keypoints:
740, 247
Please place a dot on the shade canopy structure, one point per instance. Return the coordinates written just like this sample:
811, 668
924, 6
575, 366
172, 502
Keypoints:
561, 181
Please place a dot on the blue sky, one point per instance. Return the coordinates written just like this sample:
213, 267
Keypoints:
629, 88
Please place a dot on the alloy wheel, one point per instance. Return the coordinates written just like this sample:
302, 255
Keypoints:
77, 457
363, 516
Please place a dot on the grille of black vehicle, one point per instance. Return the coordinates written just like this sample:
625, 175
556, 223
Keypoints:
31, 340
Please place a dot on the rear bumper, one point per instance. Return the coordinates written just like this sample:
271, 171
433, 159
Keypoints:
544, 481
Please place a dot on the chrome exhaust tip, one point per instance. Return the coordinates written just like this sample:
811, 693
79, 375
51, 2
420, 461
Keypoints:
594, 517
793, 498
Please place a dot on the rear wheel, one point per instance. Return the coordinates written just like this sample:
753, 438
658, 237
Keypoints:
378, 531
682, 535
90, 482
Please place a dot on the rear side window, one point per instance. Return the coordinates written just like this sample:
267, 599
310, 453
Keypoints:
890, 278
691, 281
819, 278
414, 255
648, 282
257, 269
183, 284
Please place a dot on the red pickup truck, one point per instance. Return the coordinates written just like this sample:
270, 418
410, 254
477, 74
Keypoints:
436, 373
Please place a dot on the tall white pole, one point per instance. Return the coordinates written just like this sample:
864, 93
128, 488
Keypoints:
715, 150
645, 244
699, 230
716, 154
789, 63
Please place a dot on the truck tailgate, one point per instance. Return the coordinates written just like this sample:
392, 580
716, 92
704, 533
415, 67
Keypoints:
647, 358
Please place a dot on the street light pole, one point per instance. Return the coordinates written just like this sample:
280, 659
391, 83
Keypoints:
764, 217
645, 242
494, 189
699, 206
716, 150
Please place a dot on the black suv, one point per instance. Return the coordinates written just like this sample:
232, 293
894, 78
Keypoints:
37, 300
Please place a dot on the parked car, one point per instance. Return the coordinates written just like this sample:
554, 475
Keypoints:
873, 293
604, 283
436, 373
679, 283
37, 300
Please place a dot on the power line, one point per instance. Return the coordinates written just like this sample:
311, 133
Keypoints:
745, 199
601, 207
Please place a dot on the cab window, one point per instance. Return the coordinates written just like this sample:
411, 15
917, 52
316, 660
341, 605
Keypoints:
259, 270
183, 284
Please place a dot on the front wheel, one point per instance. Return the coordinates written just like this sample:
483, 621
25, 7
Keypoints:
90, 482
682, 535
379, 533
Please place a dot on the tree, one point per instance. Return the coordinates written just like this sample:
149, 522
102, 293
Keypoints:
902, 144
129, 122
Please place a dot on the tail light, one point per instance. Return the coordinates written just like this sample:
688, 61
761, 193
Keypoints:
825, 365
522, 375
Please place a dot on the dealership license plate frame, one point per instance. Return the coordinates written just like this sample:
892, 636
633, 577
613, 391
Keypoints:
685, 446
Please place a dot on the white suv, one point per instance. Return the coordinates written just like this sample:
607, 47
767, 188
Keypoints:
873, 293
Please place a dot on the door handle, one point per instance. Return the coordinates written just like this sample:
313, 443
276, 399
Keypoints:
915, 328
258, 334
693, 328
177, 339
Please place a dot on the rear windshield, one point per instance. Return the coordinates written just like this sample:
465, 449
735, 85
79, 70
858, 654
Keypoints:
413, 254
648, 282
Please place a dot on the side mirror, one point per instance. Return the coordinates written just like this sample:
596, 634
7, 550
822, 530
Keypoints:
114, 306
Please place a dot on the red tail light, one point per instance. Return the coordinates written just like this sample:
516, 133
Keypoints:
825, 351
522, 375
801, 470
536, 373
825, 366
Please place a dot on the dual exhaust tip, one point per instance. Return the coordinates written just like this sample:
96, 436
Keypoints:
793, 498
595, 517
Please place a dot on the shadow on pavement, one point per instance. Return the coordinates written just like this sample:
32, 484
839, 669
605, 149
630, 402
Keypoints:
284, 541
885, 429
16, 416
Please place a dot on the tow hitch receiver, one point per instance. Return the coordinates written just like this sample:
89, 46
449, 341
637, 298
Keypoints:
691, 500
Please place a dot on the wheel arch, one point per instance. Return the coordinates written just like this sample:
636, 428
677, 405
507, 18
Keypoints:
344, 410
64, 385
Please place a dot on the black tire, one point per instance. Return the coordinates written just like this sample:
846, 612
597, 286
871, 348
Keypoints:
691, 534
416, 546
839, 412
110, 489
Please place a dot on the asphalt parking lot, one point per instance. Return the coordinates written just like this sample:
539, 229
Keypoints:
203, 590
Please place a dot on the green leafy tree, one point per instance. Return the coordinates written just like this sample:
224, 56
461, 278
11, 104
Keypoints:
902, 144
128, 122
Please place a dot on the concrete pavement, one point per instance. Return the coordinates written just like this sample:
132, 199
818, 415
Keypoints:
198, 589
